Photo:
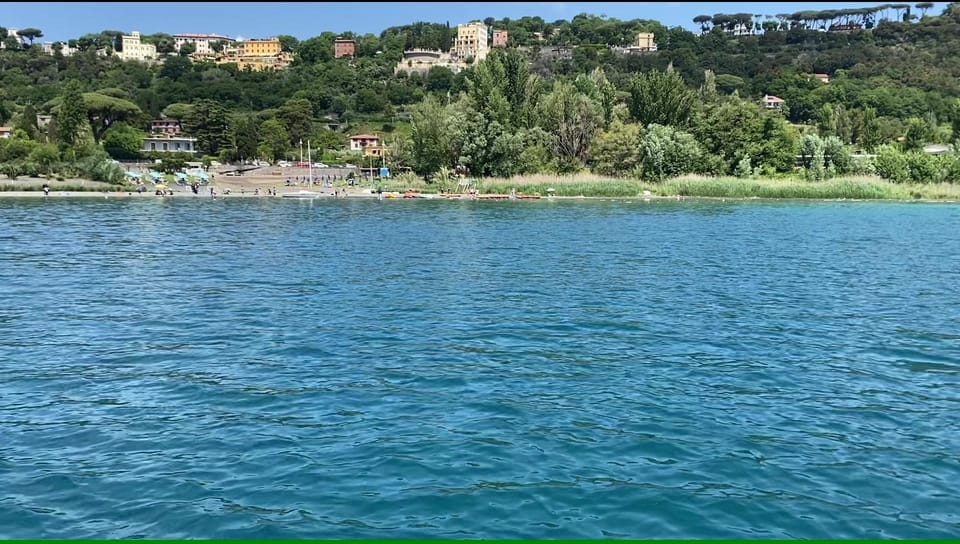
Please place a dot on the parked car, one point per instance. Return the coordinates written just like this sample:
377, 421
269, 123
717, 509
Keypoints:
320, 165
284, 164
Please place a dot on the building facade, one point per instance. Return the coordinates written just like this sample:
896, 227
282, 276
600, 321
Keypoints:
771, 102
740, 29
420, 61
499, 38
361, 142
170, 127
269, 47
131, 48
50, 48
43, 121
256, 55
471, 41
344, 48
201, 42
15, 34
169, 144
644, 42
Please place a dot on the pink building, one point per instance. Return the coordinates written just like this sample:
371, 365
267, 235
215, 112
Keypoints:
499, 38
344, 48
165, 126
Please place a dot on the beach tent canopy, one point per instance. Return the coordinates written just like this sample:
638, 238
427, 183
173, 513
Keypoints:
135, 175
156, 175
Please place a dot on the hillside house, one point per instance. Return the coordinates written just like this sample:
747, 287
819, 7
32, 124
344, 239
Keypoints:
771, 102
170, 127
361, 142
169, 144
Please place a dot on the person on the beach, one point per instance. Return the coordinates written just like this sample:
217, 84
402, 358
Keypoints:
46, 189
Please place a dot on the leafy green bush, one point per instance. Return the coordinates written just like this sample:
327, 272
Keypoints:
99, 167
667, 152
891, 165
951, 168
12, 169
923, 168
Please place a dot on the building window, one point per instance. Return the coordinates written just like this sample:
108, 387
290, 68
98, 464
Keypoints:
153, 146
165, 146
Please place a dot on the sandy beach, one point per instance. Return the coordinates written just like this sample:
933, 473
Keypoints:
225, 186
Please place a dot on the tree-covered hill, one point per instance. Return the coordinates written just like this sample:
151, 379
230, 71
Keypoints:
891, 68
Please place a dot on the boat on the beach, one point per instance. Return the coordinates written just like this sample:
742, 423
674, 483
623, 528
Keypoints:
301, 194
304, 193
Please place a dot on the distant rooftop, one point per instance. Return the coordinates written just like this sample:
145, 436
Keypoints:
208, 36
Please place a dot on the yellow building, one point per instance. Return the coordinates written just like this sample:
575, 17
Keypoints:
132, 49
471, 41
269, 47
257, 55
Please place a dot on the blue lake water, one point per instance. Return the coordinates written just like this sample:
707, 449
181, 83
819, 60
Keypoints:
266, 368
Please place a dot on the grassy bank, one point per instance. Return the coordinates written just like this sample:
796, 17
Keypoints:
697, 186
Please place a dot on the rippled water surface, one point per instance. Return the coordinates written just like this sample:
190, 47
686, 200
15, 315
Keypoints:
578, 369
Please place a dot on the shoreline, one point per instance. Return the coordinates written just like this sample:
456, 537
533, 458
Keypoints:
585, 187
365, 195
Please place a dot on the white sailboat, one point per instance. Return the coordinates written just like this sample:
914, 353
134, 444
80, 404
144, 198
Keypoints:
305, 193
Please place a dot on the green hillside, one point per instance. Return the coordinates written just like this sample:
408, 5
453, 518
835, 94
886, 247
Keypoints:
692, 106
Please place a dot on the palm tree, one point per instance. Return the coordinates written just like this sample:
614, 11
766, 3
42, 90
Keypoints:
923, 7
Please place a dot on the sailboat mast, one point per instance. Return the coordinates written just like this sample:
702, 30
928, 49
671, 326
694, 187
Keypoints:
309, 164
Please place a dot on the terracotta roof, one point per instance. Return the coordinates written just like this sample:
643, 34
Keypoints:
771, 98
364, 137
